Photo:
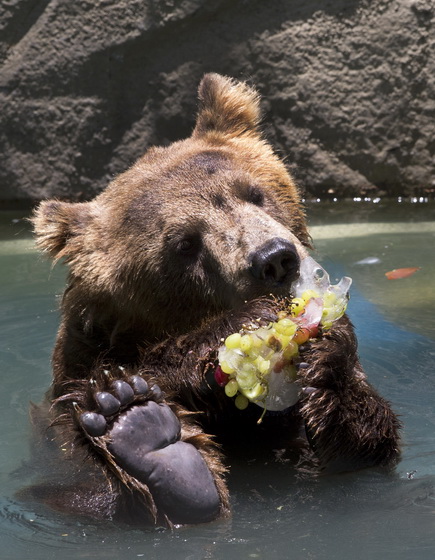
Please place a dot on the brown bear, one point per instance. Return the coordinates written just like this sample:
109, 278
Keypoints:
193, 242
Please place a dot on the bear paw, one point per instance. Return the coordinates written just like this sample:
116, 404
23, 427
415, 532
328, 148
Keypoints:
143, 436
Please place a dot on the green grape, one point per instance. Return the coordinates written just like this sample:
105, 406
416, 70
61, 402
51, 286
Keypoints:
286, 327
254, 352
248, 366
309, 294
284, 340
291, 350
333, 312
231, 388
241, 402
255, 392
297, 306
226, 368
263, 365
246, 380
246, 343
233, 341
330, 300
257, 342
326, 312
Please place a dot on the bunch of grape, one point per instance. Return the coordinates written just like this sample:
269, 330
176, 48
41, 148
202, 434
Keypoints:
259, 364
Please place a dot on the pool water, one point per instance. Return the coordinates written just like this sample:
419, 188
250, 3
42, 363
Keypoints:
276, 513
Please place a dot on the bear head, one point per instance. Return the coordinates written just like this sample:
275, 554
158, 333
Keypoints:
189, 231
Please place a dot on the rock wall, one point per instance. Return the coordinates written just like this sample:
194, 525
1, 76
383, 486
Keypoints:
87, 85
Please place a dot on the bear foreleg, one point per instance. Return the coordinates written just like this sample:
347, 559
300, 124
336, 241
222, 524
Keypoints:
348, 424
152, 447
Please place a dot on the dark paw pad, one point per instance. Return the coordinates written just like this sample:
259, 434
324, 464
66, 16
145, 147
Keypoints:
125, 392
93, 423
146, 443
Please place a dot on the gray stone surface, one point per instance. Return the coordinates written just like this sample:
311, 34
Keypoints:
87, 85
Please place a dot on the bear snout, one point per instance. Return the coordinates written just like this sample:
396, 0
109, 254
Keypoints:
275, 262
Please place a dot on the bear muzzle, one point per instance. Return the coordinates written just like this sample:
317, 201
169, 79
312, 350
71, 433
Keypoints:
275, 263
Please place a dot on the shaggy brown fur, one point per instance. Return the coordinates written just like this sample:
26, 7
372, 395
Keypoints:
161, 270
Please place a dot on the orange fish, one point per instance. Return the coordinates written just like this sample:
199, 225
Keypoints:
401, 272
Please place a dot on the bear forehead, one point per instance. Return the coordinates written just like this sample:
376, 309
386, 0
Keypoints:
208, 161
204, 165
210, 176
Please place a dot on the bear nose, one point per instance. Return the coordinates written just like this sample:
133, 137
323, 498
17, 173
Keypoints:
276, 261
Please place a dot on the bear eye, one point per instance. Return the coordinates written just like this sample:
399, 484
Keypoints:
255, 196
189, 245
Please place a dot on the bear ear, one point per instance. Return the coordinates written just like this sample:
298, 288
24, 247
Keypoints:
226, 106
58, 226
